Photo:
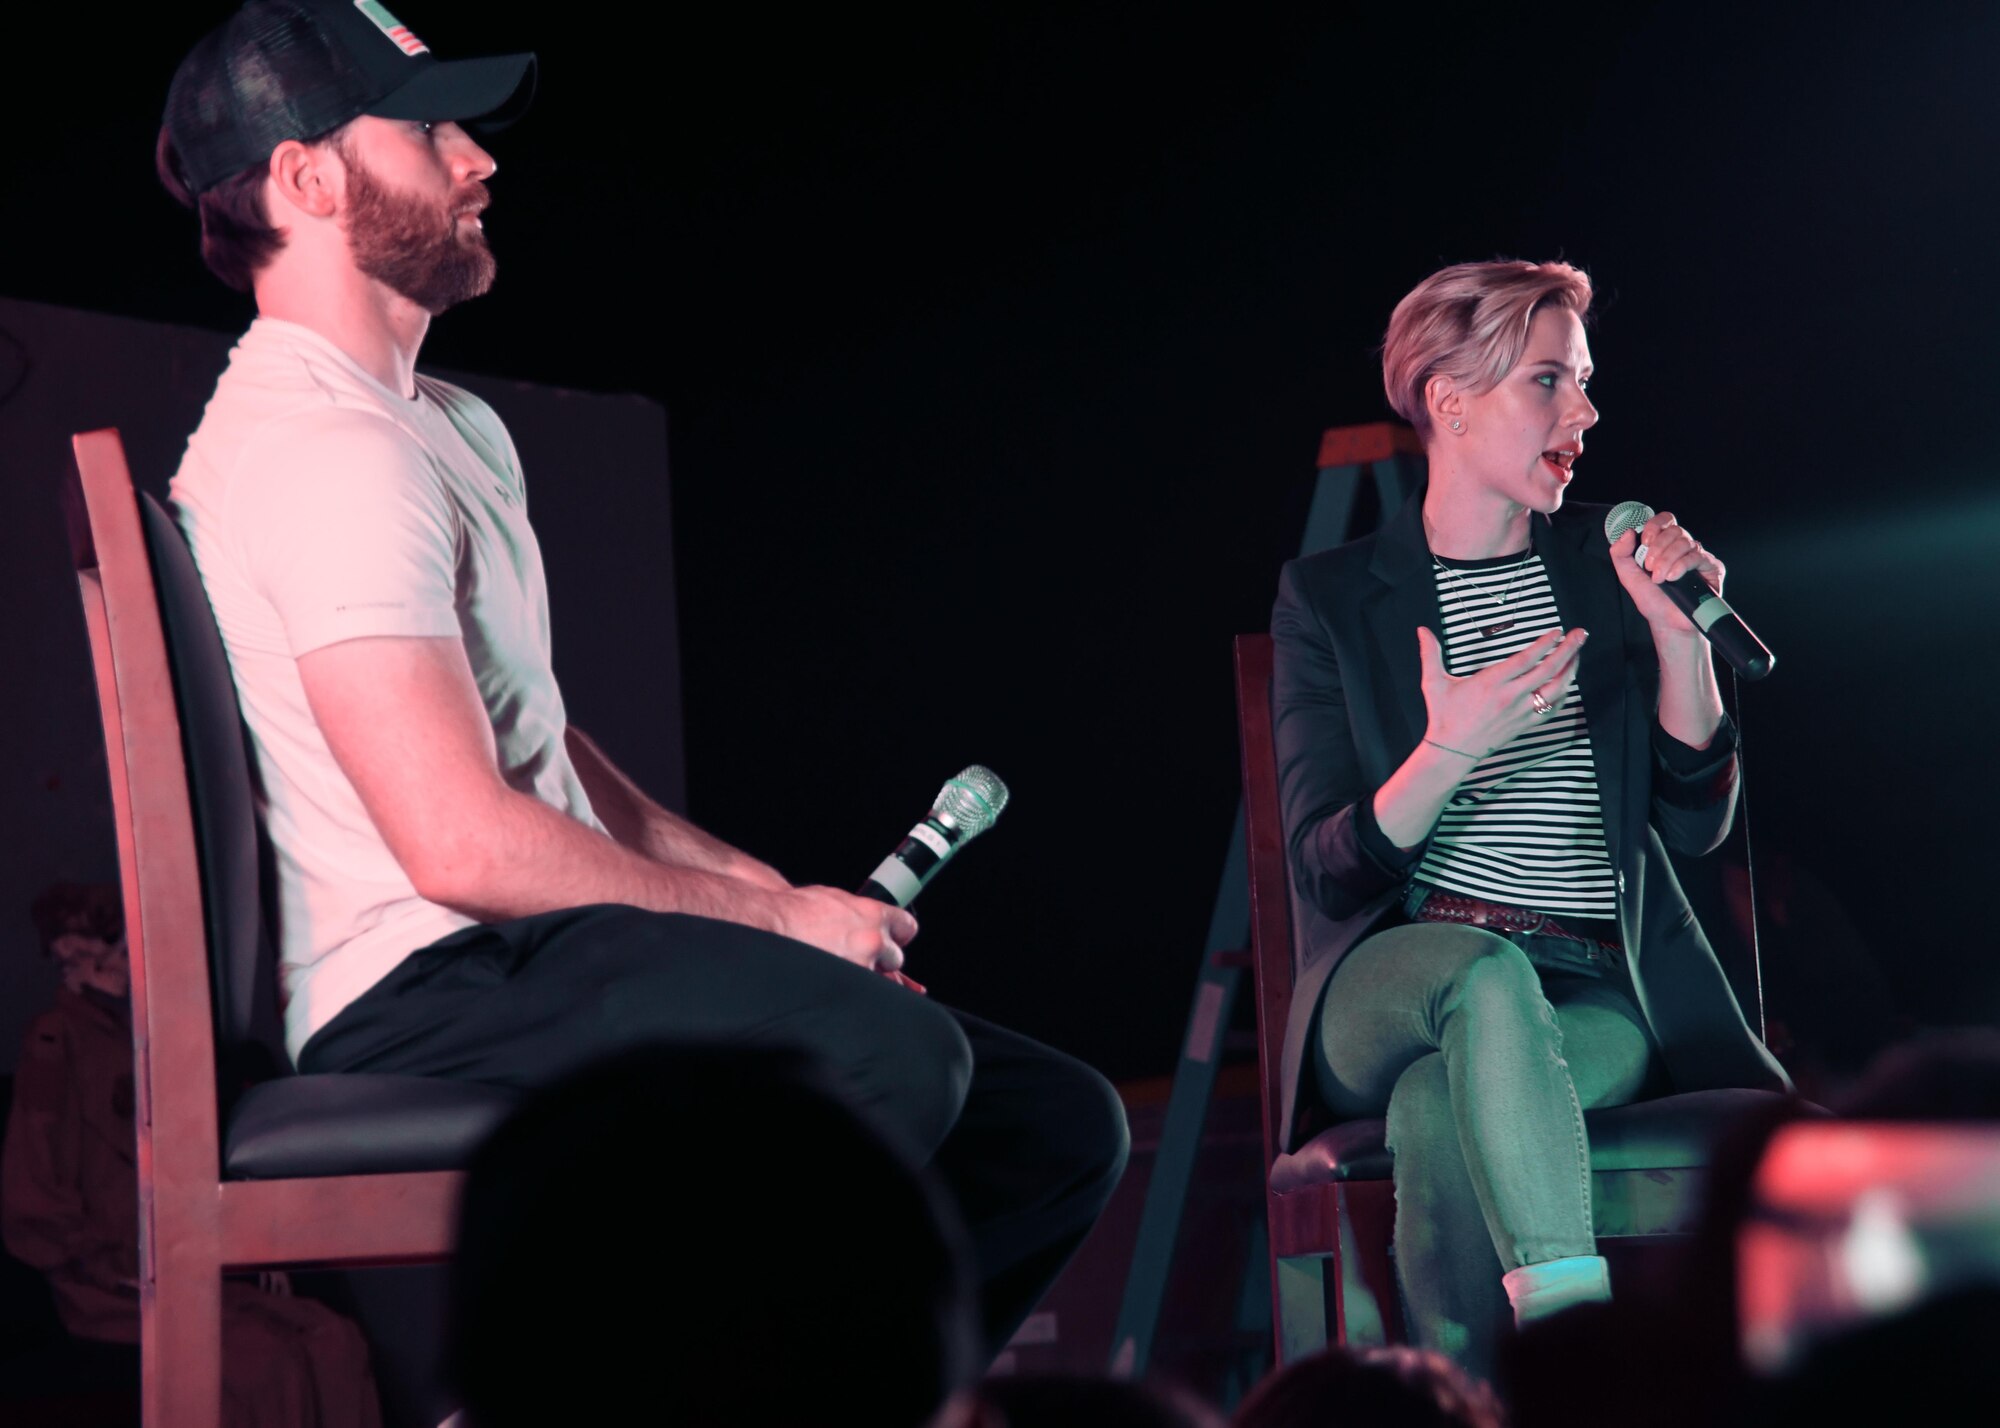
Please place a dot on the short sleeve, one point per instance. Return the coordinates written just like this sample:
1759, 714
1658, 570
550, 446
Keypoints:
346, 528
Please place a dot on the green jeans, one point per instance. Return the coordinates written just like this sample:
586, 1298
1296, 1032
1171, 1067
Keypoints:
1484, 1056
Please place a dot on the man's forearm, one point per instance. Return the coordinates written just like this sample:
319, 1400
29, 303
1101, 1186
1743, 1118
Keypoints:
640, 824
520, 857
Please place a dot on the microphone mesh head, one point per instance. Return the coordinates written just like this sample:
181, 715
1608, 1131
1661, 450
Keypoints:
971, 801
1626, 516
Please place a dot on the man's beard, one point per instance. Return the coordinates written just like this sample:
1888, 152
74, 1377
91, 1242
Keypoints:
414, 247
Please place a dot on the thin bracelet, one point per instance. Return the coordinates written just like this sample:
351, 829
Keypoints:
1450, 750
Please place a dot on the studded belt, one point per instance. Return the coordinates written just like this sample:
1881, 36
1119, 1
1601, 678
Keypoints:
1439, 906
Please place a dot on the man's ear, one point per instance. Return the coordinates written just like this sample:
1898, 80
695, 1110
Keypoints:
306, 177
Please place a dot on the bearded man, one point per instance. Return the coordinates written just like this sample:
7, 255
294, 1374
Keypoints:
465, 885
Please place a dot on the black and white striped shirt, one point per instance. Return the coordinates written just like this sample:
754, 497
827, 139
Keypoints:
1525, 827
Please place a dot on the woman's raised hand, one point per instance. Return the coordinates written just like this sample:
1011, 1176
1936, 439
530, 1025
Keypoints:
1475, 714
1668, 552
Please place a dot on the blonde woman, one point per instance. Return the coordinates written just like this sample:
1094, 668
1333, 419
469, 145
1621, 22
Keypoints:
1491, 726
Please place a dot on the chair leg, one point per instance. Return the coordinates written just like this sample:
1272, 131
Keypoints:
1301, 1304
180, 1347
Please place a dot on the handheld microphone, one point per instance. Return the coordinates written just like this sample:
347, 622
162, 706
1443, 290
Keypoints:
1697, 599
965, 807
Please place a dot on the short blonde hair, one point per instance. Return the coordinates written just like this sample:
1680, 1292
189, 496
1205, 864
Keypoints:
1469, 322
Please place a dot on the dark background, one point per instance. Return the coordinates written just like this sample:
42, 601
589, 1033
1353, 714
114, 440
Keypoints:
997, 342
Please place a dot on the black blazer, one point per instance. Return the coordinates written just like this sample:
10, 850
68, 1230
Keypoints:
1347, 708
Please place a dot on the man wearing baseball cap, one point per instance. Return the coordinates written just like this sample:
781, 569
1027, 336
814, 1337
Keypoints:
465, 885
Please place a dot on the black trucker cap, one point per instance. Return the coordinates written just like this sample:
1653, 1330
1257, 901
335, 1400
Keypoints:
297, 69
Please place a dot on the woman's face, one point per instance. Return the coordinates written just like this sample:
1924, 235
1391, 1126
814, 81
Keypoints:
1522, 434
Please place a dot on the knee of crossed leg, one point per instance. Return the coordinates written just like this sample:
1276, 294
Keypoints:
1494, 982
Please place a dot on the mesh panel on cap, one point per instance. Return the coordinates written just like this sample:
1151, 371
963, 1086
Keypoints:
266, 75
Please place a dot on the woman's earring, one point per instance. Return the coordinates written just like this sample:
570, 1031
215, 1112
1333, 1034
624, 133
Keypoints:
1458, 426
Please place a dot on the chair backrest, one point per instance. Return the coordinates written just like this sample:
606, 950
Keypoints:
1271, 954
173, 1019
249, 1033
241, 963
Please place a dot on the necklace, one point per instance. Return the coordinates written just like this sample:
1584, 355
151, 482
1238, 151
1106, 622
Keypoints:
1499, 627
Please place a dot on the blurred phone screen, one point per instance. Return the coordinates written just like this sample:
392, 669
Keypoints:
1851, 1220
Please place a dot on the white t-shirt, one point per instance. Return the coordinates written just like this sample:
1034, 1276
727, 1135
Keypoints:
323, 506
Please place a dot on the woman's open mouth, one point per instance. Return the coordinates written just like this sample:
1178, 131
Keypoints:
1559, 462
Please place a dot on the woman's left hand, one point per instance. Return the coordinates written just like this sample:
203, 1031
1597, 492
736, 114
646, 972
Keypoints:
1670, 553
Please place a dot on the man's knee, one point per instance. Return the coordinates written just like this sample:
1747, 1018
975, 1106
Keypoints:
905, 1059
1082, 1141
1054, 1113
940, 1062
1099, 1139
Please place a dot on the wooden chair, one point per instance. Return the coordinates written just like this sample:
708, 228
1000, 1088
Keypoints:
1330, 1203
298, 1170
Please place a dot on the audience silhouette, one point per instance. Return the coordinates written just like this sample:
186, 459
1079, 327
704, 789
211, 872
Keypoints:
707, 1236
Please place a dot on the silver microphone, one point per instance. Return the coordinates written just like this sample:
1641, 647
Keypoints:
965, 807
1699, 601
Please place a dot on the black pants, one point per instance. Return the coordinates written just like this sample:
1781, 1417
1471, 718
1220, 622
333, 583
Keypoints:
1030, 1142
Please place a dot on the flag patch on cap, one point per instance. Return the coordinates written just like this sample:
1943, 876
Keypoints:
389, 25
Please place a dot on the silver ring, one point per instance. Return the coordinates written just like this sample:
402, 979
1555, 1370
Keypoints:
1541, 705
1639, 555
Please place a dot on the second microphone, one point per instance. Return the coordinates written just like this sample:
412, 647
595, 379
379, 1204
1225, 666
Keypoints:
965, 807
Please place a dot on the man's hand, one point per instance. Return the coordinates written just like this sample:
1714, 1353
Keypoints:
860, 930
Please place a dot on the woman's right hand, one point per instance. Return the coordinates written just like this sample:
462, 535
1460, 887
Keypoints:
1475, 714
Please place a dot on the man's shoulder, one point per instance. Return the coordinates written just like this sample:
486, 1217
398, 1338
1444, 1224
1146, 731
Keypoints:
264, 407
287, 385
309, 428
301, 458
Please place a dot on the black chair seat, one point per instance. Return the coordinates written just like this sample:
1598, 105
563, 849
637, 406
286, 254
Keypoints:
305, 1126
1671, 1133
1352, 1150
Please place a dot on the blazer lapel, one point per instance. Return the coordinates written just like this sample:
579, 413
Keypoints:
1588, 597
1406, 599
